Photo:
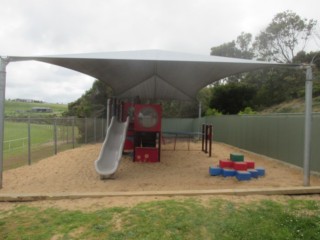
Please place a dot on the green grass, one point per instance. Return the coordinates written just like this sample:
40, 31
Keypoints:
18, 109
40, 133
189, 219
16, 142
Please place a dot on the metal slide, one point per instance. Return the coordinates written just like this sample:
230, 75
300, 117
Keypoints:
111, 152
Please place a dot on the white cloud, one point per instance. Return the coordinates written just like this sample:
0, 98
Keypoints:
37, 27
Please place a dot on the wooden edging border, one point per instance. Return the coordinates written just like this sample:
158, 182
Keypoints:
236, 192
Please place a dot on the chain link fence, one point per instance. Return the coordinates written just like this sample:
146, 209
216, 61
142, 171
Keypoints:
27, 140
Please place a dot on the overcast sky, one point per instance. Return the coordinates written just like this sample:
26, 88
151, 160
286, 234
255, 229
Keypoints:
41, 27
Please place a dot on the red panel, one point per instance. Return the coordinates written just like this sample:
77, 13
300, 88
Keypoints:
147, 117
128, 144
146, 154
130, 133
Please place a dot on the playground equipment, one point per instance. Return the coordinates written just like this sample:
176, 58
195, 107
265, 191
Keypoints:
111, 152
134, 128
207, 138
147, 132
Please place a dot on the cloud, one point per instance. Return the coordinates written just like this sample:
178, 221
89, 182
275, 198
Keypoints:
42, 27
41, 81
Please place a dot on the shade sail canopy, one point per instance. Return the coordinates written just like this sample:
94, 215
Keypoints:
153, 74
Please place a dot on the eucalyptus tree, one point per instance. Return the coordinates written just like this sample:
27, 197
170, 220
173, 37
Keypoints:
284, 37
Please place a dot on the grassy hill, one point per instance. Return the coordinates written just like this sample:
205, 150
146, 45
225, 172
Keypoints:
23, 109
293, 106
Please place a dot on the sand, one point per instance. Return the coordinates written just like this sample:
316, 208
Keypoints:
73, 171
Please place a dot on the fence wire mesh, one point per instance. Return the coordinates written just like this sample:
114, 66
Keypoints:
27, 140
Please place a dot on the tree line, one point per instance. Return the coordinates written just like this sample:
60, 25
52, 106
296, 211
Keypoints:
284, 40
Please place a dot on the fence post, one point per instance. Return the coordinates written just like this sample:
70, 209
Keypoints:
95, 129
85, 130
206, 138
203, 136
55, 136
67, 125
29, 141
73, 140
210, 140
102, 131
108, 115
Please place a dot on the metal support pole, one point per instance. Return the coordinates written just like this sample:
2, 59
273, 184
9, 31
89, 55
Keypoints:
199, 115
206, 138
67, 132
73, 140
3, 65
95, 129
86, 130
55, 136
210, 140
203, 135
29, 141
307, 127
102, 128
108, 114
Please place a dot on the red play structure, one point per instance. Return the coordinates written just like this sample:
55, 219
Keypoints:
144, 131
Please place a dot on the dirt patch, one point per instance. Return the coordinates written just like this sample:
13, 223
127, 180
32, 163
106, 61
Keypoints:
73, 171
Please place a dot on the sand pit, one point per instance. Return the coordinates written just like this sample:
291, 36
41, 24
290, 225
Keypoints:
73, 171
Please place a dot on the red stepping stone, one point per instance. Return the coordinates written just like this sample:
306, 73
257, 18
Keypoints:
226, 163
240, 166
250, 164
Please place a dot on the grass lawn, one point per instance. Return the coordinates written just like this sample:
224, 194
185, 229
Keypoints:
15, 134
39, 132
171, 219
16, 142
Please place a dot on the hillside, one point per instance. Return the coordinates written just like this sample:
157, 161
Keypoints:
293, 106
23, 109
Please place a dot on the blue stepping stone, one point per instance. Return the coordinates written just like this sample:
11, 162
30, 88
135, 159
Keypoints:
243, 175
261, 171
228, 172
254, 173
215, 171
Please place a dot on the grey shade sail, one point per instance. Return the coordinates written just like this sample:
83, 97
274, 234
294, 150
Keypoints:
153, 74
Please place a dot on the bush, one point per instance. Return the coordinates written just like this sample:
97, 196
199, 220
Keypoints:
247, 111
213, 112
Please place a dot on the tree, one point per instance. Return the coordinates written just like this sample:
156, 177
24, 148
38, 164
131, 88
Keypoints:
179, 109
204, 96
307, 58
92, 103
232, 98
212, 112
241, 48
284, 37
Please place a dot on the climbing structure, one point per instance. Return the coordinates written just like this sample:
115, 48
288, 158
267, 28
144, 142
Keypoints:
144, 131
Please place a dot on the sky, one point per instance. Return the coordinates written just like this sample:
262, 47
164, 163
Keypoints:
48, 27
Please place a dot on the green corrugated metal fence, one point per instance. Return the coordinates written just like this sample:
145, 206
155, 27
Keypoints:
279, 136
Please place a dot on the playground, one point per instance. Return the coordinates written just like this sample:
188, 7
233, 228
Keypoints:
135, 126
71, 171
